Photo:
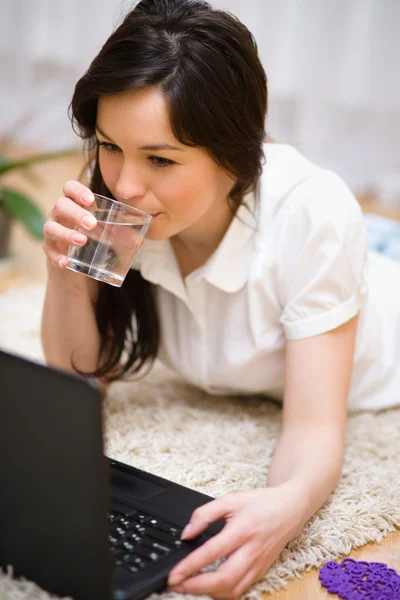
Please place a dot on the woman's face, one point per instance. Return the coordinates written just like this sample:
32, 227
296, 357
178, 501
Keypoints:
143, 165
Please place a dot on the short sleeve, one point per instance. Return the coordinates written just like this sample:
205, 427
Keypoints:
322, 257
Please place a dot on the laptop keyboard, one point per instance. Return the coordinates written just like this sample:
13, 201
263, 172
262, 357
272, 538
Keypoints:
138, 540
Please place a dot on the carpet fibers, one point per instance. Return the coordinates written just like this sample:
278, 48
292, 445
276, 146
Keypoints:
221, 445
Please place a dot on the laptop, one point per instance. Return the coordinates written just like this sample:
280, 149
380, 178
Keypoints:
73, 520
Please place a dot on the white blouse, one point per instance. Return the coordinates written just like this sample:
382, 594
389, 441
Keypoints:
291, 266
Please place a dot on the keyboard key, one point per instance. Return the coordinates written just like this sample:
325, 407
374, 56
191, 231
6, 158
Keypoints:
129, 559
148, 553
154, 522
161, 547
148, 520
128, 546
153, 556
162, 536
142, 517
134, 525
134, 538
139, 528
170, 529
139, 562
154, 545
119, 532
132, 568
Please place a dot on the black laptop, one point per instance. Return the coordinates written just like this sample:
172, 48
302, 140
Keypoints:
71, 519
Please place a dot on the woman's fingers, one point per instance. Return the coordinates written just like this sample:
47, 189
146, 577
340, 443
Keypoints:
58, 239
228, 580
243, 567
58, 233
78, 192
56, 256
69, 212
206, 514
221, 545
59, 230
215, 548
66, 209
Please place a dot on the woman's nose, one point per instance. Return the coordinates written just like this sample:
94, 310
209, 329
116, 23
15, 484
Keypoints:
130, 185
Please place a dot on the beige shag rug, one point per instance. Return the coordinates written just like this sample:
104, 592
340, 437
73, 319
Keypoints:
220, 445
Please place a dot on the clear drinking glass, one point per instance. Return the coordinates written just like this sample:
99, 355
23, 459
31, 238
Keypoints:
112, 244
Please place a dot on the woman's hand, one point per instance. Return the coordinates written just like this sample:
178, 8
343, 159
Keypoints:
68, 212
77, 208
259, 524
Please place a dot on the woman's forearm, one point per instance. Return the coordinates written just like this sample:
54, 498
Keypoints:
309, 461
69, 331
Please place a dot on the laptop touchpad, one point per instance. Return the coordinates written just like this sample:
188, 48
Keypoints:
133, 487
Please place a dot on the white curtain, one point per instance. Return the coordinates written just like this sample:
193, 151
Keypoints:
332, 66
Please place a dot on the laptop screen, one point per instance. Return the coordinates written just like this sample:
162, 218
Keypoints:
54, 480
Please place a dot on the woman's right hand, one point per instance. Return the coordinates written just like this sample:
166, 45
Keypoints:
69, 211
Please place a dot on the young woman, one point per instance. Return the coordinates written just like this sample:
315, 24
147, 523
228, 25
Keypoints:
253, 277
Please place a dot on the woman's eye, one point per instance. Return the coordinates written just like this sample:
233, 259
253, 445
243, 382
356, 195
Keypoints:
157, 161
160, 162
109, 148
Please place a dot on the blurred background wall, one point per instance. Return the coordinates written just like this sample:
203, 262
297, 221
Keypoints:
332, 65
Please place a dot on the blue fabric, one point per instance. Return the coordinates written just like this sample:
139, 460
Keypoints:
383, 235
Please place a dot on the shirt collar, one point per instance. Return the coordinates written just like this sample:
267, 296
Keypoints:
227, 268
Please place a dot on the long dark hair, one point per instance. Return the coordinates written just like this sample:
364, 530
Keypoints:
205, 61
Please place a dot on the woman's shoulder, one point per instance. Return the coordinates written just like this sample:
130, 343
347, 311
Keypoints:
290, 180
286, 167
279, 154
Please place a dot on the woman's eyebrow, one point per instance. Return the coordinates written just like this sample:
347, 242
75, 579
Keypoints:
152, 147
160, 147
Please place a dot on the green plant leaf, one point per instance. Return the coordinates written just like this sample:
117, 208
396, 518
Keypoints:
11, 165
23, 209
3, 159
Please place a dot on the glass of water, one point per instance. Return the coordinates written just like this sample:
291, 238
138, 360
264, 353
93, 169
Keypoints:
112, 244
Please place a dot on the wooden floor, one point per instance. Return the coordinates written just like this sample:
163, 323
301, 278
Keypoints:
28, 267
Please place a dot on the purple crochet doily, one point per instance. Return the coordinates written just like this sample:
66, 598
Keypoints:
360, 580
